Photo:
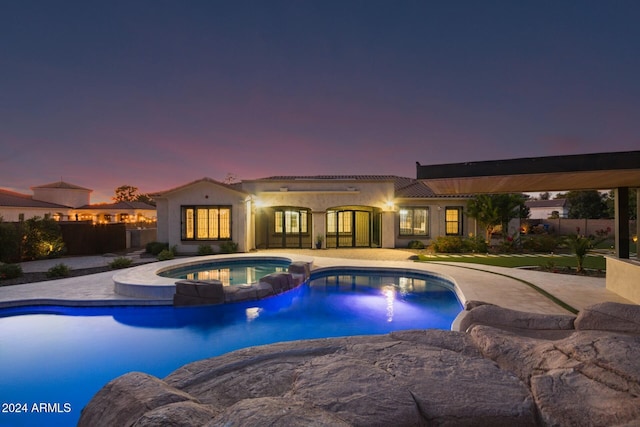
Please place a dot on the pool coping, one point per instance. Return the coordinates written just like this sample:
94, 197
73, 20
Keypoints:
145, 282
479, 283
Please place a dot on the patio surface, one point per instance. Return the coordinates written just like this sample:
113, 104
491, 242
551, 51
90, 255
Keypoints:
495, 285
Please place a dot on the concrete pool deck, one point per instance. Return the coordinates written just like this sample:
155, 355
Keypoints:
497, 285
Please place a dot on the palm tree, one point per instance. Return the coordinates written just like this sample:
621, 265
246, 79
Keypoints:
580, 246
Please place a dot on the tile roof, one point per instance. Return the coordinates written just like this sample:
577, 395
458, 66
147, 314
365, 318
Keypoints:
553, 203
329, 177
18, 200
61, 184
234, 186
404, 187
120, 206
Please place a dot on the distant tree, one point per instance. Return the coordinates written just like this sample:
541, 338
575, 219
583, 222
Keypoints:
545, 196
493, 210
145, 198
633, 204
230, 178
126, 193
587, 204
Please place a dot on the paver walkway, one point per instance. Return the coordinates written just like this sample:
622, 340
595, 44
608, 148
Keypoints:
498, 285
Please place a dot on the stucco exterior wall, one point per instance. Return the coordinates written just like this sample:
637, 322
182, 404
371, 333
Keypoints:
201, 194
12, 214
622, 278
546, 212
63, 196
316, 195
436, 219
321, 195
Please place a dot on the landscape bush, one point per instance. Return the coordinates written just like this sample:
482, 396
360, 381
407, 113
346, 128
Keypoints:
475, 244
59, 270
9, 242
539, 243
120, 262
154, 248
205, 250
166, 254
10, 271
41, 238
509, 245
415, 244
228, 247
448, 244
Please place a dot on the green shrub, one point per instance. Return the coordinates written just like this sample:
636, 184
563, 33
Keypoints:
10, 271
448, 244
475, 244
42, 238
228, 247
415, 244
59, 270
540, 243
120, 262
165, 255
9, 242
205, 250
154, 248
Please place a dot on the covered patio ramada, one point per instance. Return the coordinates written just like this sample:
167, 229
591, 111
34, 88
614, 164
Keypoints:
618, 171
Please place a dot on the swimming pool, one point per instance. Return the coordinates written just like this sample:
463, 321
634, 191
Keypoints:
61, 356
229, 272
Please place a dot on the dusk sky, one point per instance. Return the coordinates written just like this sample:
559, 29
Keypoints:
155, 94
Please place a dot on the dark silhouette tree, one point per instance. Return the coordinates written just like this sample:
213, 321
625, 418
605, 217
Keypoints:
493, 210
128, 193
587, 204
633, 203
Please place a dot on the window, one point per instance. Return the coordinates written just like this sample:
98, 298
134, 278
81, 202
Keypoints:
414, 221
344, 219
290, 222
453, 221
206, 222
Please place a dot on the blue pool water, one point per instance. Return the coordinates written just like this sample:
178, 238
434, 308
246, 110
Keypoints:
62, 356
229, 272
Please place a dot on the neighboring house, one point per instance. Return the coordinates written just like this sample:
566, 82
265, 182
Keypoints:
294, 211
16, 207
68, 202
544, 209
128, 212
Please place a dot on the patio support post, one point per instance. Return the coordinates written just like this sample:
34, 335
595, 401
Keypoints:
621, 196
637, 223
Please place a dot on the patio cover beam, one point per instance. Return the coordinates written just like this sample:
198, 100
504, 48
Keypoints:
598, 171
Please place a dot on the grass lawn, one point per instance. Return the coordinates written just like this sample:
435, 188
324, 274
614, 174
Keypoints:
595, 262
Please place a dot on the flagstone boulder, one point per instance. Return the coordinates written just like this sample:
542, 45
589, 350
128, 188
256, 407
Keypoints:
489, 375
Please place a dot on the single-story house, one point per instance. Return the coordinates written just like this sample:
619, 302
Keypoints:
544, 209
63, 201
300, 211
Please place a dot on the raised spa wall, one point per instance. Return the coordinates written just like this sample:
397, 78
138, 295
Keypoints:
622, 278
207, 292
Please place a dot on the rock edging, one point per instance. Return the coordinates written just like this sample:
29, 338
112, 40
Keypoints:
210, 292
489, 375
